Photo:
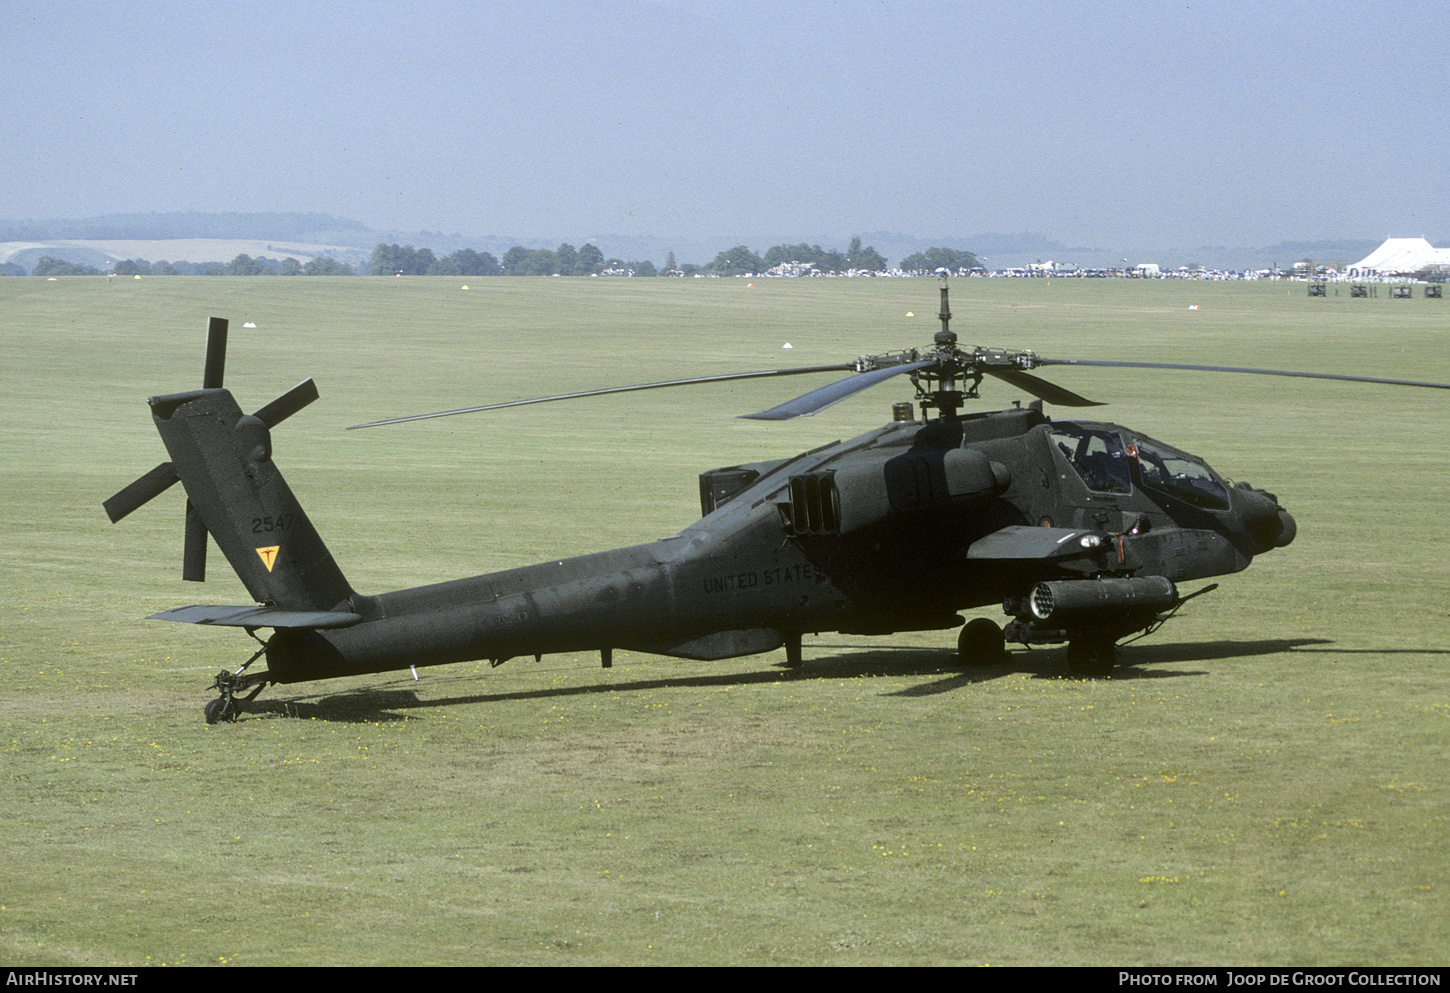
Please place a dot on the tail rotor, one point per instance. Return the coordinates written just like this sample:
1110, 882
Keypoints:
160, 479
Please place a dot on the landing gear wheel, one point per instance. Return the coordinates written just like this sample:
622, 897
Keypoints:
981, 643
1091, 658
218, 710
230, 704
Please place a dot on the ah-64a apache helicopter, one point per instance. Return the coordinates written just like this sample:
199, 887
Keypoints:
1082, 530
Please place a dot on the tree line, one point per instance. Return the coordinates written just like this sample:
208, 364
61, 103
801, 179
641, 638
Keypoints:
797, 260
588, 260
805, 260
940, 258
566, 260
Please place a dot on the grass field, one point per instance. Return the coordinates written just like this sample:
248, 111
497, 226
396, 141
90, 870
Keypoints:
1263, 782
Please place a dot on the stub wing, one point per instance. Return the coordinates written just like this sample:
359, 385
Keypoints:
1022, 542
255, 616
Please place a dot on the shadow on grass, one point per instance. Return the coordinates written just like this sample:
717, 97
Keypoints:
377, 704
364, 705
1133, 661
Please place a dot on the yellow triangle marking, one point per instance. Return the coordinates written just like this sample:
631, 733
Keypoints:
269, 555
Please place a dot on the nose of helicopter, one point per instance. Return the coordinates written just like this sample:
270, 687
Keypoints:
1270, 525
1287, 529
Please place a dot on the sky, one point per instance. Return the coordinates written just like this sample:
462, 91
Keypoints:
1131, 125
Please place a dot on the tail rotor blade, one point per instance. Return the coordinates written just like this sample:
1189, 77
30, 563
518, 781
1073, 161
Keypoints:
151, 485
193, 556
216, 353
288, 403
164, 476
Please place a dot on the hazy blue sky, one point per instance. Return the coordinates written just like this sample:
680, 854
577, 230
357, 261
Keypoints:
1128, 125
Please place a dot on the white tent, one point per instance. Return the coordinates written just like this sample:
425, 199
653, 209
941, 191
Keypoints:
1401, 255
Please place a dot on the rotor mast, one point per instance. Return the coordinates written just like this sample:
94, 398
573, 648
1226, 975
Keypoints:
945, 314
937, 386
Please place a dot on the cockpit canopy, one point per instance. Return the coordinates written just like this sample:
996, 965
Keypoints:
1107, 463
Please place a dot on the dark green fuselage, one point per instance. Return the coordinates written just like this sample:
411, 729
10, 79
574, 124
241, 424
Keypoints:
898, 529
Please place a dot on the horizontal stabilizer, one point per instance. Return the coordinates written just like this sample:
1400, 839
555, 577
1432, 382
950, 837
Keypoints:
258, 617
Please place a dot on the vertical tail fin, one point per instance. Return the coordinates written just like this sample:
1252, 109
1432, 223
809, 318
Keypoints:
224, 460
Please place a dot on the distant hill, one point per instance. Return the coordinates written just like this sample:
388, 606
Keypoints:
101, 254
308, 228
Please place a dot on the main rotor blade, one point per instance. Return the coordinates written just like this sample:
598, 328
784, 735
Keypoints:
147, 487
1041, 388
728, 377
1254, 372
288, 403
820, 399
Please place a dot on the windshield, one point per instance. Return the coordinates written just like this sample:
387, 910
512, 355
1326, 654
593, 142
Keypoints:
1180, 475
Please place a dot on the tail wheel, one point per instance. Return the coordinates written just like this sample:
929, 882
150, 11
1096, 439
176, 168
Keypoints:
1091, 658
981, 643
219, 710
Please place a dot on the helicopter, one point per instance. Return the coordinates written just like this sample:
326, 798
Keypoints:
1083, 531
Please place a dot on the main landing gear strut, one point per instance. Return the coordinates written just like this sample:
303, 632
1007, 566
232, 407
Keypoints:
1090, 654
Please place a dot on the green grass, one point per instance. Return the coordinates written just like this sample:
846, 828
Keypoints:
1264, 782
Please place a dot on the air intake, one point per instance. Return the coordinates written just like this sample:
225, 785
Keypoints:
815, 506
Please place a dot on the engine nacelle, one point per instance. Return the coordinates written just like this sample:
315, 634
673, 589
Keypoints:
837, 502
1068, 600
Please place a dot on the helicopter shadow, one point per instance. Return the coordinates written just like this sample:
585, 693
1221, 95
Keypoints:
1133, 663
364, 705
369, 705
